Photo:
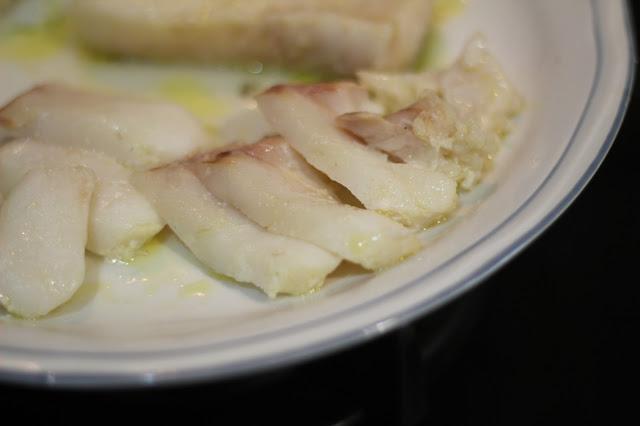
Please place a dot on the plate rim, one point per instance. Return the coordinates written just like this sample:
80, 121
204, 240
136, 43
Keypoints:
43, 376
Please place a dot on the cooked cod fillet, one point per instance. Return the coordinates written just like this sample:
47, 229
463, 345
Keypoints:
43, 232
121, 219
423, 135
225, 240
463, 111
261, 181
340, 36
139, 133
412, 195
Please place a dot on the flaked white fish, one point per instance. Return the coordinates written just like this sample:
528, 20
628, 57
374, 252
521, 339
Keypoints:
229, 243
139, 133
121, 219
43, 233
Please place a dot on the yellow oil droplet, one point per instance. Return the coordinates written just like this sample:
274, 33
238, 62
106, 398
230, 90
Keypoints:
444, 10
35, 43
432, 53
152, 247
196, 289
193, 96
224, 278
91, 57
439, 220
310, 77
255, 67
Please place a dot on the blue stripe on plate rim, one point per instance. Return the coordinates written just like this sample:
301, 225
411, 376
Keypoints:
361, 333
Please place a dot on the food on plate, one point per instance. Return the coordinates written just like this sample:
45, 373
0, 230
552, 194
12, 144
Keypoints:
425, 135
390, 136
475, 86
411, 195
225, 240
260, 182
277, 153
43, 233
249, 125
340, 36
244, 127
139, 133
279, 192
121, 220
338, 97
452, 121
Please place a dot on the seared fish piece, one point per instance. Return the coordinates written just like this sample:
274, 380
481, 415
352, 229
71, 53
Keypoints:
475, 85
43, 232
340, 36
225, 240
121, 219
249, 125
463, 111
409, 194
260, 181
384, 135
139, 133
339, 97
426, 134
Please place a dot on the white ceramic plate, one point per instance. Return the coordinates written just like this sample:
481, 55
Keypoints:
166, 319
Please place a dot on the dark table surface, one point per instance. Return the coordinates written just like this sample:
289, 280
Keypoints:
551, 337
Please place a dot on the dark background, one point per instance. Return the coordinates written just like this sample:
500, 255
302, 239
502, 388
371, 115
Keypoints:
550, 338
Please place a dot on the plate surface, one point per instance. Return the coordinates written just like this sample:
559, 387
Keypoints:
164, 318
